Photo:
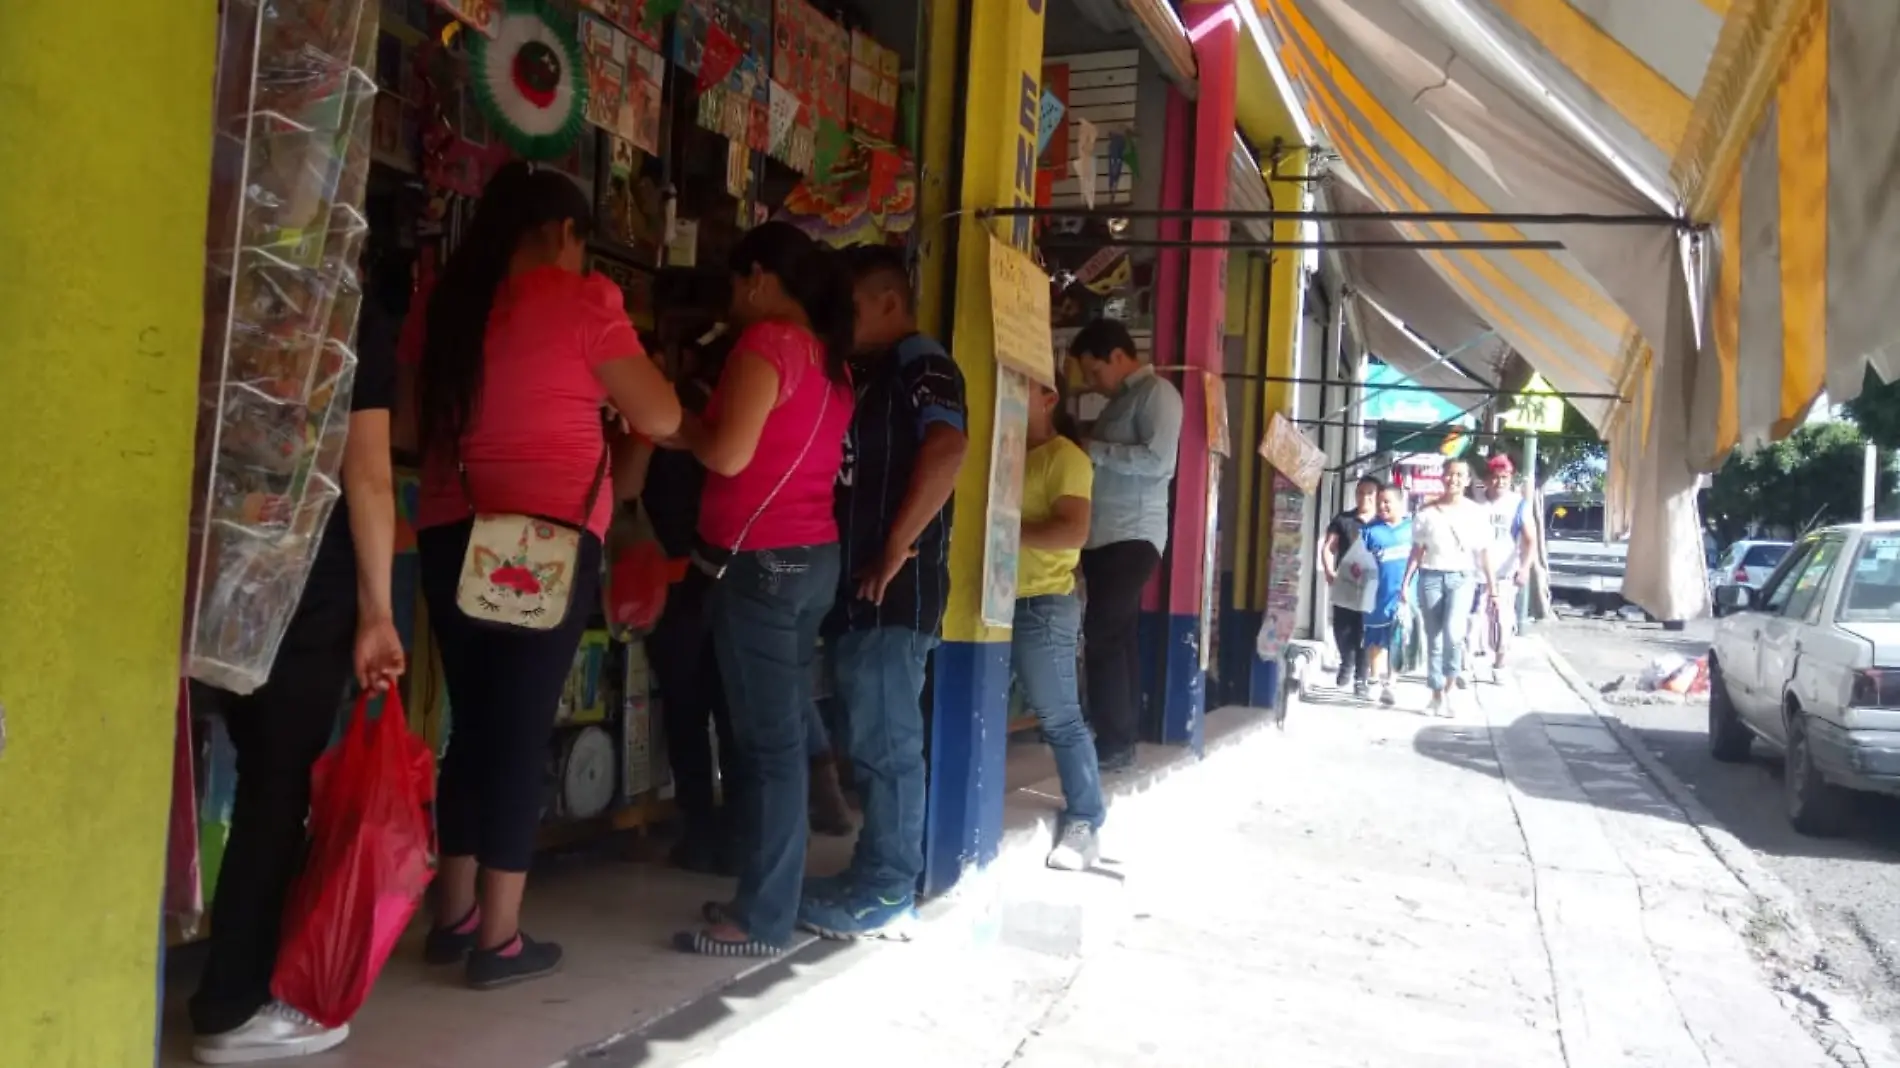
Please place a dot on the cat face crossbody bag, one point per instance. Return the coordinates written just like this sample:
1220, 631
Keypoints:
519, 570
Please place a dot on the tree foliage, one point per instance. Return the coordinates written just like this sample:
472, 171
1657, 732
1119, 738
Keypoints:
1807, 479
1877, 411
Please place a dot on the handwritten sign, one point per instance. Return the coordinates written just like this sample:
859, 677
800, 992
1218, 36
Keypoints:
1292, 454
1019, 312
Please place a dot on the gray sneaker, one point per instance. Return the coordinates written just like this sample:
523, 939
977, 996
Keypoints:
277, 1032
1078, 849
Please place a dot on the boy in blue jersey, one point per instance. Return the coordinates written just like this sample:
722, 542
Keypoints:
1389, 538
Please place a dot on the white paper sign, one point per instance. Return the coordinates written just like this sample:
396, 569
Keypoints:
784, 112
1084, 162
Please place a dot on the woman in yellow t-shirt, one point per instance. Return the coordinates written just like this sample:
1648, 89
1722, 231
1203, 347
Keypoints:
1057, 481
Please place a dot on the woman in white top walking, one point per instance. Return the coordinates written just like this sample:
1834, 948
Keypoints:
1451, 543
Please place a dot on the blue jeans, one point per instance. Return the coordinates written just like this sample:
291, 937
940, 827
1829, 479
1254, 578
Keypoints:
1043, 653
765, 616
1445, 608
881, 685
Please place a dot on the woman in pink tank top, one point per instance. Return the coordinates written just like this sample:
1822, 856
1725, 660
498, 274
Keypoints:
772, 440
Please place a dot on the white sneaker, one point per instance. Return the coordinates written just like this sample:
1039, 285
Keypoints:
1078, 849
277, 1032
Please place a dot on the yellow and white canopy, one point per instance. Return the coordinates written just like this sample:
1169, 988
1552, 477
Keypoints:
1745, 146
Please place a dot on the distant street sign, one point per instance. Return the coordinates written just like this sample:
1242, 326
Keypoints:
1538, 409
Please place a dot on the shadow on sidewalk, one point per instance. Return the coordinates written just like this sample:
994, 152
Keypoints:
1595, 770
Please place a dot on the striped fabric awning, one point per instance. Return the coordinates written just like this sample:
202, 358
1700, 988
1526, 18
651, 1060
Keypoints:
1714, 331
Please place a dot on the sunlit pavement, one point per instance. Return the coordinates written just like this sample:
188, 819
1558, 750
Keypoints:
1369, 887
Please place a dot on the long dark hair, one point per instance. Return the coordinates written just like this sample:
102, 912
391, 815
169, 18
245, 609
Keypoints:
519, 199
812, 275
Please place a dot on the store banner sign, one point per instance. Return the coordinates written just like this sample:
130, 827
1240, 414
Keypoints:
1003, 513
1291, 454
1019, 312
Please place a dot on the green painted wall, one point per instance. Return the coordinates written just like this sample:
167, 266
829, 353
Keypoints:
105, 138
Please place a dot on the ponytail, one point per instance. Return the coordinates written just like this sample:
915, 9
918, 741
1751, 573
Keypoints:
814, 276
517, 200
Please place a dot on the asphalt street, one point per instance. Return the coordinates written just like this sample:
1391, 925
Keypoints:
1851, 885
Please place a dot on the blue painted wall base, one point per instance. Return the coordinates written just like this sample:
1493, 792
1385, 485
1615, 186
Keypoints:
969, 739
1184, 701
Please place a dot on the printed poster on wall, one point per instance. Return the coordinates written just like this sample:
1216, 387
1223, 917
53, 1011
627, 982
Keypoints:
1286, 556
1003, 517
604, 50
481, 15
1019, 312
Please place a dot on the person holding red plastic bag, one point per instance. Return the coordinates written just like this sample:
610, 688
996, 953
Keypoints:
344, 622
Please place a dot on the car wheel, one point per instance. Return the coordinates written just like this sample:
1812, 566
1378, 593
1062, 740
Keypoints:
1729, 740
1816, 807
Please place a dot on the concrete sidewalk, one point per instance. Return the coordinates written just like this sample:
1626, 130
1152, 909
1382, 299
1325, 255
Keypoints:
1368, 888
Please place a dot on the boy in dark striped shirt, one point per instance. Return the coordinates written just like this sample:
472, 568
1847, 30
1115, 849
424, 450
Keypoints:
902, 455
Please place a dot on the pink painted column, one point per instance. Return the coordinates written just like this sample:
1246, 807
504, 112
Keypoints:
1215, 32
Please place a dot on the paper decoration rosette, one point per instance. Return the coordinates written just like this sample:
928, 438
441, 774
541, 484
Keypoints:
530, 80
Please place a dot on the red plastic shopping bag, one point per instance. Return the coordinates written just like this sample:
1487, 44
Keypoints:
370, 861
636, 587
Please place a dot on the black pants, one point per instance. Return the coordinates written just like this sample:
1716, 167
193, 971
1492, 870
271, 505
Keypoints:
279, 732
1349, 633
680, 651
1111, 652
504, 689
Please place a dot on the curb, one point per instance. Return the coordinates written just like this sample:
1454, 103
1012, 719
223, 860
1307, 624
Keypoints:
1780, 931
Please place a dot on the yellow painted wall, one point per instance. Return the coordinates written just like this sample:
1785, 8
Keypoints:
999, 169
105, 127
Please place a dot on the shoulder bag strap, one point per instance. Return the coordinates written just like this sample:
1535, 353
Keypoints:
823, 405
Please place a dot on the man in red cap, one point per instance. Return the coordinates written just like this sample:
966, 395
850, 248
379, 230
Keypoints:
1513, 547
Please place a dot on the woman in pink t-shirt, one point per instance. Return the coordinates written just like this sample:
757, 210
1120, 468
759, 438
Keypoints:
519, 352
772, 441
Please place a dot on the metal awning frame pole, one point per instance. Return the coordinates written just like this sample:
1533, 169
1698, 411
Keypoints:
1439, 360
1426, 245
1442, 424
1507, 218
1447, 391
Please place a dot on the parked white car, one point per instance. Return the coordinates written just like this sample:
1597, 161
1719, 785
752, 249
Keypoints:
1810, 664
1747, 563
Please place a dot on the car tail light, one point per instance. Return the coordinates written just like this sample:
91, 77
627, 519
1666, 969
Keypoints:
1741, 575
1876, 688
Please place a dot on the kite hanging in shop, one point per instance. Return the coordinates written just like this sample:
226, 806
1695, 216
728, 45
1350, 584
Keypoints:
530, 80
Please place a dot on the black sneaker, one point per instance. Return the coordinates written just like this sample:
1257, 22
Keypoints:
448, 945
1109, 761
491, 969
1342, 677
1360, 690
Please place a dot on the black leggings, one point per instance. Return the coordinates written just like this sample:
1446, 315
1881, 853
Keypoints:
1349, 633
680, 652
278, 732
504, 689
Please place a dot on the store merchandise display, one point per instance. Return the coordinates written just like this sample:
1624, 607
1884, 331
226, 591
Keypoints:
290, 171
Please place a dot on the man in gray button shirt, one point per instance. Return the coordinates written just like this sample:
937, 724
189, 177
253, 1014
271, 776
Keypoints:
1133, 446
